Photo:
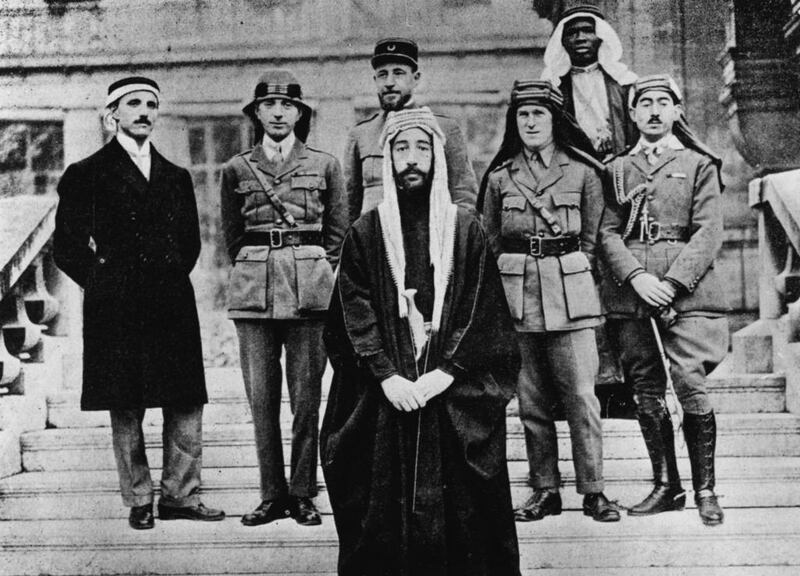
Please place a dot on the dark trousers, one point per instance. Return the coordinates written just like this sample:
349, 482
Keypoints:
694, 346
182, 458
260, 344
561, 366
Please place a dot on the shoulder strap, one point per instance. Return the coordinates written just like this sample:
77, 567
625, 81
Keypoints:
273, 197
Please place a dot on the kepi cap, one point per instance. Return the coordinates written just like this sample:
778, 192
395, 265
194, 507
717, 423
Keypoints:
400, 50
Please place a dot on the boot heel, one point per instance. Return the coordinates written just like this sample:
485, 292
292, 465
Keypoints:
679, 503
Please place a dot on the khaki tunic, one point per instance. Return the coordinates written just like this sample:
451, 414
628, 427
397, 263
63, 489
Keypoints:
681, 189
554, 292
292, 282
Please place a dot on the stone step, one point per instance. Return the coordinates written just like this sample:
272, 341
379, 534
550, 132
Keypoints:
731, 392
741, 483
232, 445
749, 538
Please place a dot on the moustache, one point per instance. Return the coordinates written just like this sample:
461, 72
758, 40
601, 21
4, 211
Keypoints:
412, 170
654, 119
143, 120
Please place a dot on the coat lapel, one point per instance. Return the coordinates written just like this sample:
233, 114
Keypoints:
521, 174
640, 161
292, 162
259, 158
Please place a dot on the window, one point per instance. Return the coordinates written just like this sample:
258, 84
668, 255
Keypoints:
31, 157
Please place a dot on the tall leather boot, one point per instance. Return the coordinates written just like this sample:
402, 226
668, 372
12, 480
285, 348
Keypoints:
701, 439
659, 437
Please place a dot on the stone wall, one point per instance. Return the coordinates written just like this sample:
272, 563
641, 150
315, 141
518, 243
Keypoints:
58, 56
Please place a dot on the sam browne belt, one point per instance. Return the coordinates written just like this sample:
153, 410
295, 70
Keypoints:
540, 247
278, 238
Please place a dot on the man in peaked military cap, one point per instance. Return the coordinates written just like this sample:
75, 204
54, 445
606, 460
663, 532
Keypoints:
127, 233
660, 234
284, 217
396, 76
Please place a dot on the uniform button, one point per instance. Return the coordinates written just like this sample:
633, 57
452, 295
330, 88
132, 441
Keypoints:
651, 218
278, 221
277, 181
649, 178
102, 260
541, 233
650, 197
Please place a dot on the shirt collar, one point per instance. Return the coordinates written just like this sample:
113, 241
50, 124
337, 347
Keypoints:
581, 69
285, 146
669, 141
132, 147
545, 154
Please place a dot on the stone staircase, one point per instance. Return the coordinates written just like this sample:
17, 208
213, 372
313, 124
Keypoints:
63, 514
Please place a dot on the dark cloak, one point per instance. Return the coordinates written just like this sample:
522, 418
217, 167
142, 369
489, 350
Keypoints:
461, 521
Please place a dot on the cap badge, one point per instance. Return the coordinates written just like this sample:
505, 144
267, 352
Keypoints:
391, 47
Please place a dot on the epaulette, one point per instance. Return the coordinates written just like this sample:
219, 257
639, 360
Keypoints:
585, 158
370, 119
245, 152
318, 151
504, 164
619, 154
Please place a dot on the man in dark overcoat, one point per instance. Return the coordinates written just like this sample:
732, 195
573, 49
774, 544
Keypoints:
127, 232
397, 75
661, 232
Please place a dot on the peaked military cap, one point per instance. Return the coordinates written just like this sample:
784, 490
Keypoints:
536, 92
277, 83
400, 50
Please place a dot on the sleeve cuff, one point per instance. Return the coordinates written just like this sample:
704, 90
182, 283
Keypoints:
379, 365
451, 368
634, 274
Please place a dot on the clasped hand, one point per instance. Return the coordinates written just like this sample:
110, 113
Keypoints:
408, 396
657, 293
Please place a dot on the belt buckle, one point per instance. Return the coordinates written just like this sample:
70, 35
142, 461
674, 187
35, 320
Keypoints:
535, 247
654, 237
275, 238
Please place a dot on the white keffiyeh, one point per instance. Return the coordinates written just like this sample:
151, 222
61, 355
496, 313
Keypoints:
442, 217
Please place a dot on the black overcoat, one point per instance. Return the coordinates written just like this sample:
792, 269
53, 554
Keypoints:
130, 244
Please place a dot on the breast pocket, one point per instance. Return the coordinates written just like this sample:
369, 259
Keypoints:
314, 278
309, 189
256, 206
580, 291
514, 223
568, 211
247, 289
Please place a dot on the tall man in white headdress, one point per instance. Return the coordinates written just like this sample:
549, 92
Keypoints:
582, 59
424, 357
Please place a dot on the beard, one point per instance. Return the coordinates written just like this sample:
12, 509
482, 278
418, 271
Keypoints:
387, 106
412, 188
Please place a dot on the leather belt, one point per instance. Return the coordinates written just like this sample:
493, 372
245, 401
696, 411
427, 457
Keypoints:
278, 238
540, 247
656, 231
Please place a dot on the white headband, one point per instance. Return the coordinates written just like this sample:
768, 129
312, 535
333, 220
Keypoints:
127, 89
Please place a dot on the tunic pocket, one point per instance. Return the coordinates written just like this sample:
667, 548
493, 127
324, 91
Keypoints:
568, 210
580, 290
311, 186
247, 289
512, 273
314, 279
513, 221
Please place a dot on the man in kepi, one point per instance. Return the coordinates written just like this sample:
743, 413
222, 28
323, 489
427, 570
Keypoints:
424, 357
284, 217
582, 59
396, 77
127, 233
661, 232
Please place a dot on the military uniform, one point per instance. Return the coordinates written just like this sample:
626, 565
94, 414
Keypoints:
363, 162
543, 231
666, 220
280, 287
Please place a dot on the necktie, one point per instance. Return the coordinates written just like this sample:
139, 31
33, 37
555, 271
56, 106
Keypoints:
652, 153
